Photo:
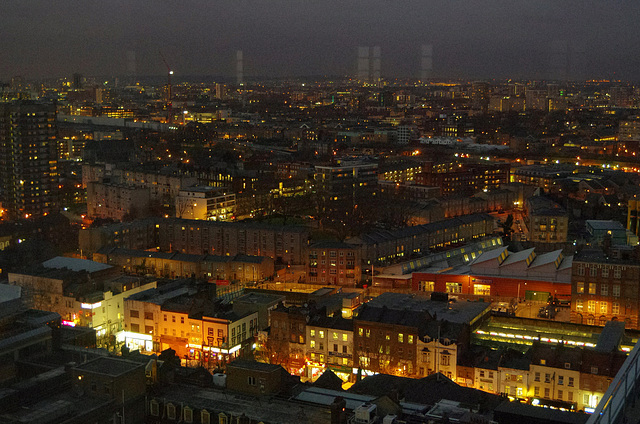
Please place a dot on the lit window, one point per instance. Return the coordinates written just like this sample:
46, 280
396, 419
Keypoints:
615, 308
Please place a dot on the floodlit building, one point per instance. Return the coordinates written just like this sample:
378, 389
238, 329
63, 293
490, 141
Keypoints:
209, 203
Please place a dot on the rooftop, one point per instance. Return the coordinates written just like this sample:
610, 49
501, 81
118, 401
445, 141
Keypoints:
259, 298
604, 225
456, 312
331, 245
110, 366
254, 365
540, 205
75, 264
426, 391
274, 410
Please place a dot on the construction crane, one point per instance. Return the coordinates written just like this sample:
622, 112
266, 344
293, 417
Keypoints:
169, 104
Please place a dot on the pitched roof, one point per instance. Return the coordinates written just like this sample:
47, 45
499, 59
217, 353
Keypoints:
328, 380
428, 390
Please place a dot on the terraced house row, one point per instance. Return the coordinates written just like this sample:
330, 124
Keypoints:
415, 337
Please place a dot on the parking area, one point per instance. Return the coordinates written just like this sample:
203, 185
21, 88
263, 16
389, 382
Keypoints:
532, 309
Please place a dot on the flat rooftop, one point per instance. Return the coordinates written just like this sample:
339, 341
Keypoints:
75, 264
113, 367
456, 312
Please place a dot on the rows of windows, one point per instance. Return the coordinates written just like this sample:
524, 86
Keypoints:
591, 288
592, 306
604, 270
366, 332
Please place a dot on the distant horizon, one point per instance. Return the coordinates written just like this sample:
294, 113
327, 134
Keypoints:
471, 39
230, 79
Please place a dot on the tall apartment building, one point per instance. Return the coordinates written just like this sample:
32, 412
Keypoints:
28, 167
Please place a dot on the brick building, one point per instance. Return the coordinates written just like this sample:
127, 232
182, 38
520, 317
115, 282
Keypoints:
464, 178
106, 199
283, 243
238, 268
605, 288
333, 263
547, 221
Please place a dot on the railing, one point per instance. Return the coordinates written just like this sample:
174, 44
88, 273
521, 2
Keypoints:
613, 406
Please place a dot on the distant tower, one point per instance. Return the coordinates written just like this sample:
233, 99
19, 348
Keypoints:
77, 81
559, 66
239, 68
221, 91
131, 63
375, 65
363, 64
578, 67
426, 61
17, 83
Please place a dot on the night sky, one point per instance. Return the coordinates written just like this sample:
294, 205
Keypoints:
475, 39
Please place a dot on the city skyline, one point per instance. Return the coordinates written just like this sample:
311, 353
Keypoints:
545, 40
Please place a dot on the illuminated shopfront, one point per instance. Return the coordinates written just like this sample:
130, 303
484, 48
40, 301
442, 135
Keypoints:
136, 341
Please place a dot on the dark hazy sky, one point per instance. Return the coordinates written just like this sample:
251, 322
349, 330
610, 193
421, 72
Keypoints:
471, 38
